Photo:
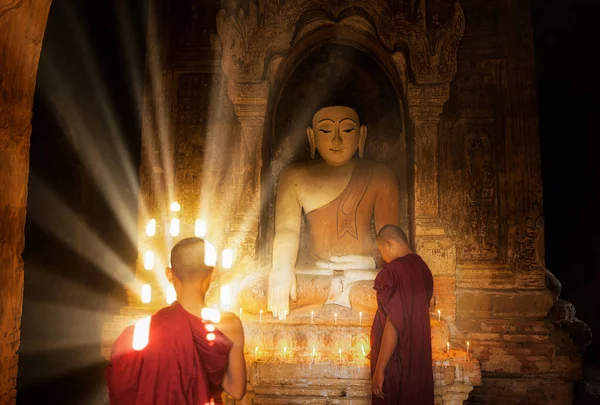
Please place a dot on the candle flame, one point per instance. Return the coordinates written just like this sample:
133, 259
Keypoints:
149, 260
227, 259
200, 228
210, 254
171, 294
141, 333
146, 293
175, 206
225, 297
174, 227
151, 227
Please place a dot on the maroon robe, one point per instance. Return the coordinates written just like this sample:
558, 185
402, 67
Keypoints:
404, 288
179, 366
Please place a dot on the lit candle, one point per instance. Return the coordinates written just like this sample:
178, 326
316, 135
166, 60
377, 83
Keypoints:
146, 293
151, 227
448, 347
260, 316
171, 294
360, 318
227, 259
225, 297
284, 351
340, 352
439, 315
256, 352
149, 260
175, 206
240, 313
141, 333
312, 317
314, 353
335, 318
210, 254
174, 227
468, 345
363, 350
200, 228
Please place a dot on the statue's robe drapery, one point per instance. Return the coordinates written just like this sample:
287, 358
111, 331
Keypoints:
404, 290
178, 366
343, 226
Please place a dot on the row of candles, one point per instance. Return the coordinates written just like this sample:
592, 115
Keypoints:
314, 354
174, 225
210, 253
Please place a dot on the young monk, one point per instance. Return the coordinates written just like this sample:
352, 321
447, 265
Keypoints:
401, 363
188, 359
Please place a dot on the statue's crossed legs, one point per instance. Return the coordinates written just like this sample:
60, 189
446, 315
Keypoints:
348, 288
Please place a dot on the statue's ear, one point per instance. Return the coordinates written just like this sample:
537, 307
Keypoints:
311, 142
361, 141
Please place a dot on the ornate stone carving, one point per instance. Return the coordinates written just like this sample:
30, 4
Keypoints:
250, 38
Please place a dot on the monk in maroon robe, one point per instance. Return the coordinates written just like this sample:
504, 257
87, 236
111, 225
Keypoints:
401, 362
188, 358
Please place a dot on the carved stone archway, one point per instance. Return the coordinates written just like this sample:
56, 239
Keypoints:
22, 25
264, 41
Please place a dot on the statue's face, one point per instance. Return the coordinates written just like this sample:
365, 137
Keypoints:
336, 133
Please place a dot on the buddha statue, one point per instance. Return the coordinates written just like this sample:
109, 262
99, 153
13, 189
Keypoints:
340, 196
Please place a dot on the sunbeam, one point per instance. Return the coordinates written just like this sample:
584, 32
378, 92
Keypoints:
57, 219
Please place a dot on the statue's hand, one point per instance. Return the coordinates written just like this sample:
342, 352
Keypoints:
350, 262
282, 287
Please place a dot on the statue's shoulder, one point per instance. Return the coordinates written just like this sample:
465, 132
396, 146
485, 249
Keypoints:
296, 171
381, 171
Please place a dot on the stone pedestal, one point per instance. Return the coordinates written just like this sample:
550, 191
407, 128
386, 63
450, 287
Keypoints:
319, 356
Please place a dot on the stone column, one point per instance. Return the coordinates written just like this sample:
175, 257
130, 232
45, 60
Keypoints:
425, 104
249, 102
22, 25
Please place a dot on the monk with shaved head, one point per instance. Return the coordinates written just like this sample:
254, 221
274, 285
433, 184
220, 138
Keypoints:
186, 353
401, 362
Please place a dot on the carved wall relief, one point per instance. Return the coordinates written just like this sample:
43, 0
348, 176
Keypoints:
480, 232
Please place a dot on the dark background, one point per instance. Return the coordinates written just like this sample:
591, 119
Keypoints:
93, 56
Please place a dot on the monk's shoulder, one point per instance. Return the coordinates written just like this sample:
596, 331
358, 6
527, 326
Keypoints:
387, 274
231, 326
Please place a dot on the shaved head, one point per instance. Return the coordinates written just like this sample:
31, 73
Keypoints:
392, 232
187, 260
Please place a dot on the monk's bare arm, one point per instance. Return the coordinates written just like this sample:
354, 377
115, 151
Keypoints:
234, 381
389, 341
288, 221
387, 201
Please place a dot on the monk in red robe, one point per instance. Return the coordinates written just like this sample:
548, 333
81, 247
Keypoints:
401, 362
187, 356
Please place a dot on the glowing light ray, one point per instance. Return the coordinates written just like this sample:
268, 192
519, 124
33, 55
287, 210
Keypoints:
104, 103
92, 153
158, 97
54, 216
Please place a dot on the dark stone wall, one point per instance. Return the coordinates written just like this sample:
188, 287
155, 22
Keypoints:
83, 195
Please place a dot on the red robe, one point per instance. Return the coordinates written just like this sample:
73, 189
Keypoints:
404, 288
179, 366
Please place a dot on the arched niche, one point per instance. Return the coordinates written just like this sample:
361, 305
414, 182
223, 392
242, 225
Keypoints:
324, 71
